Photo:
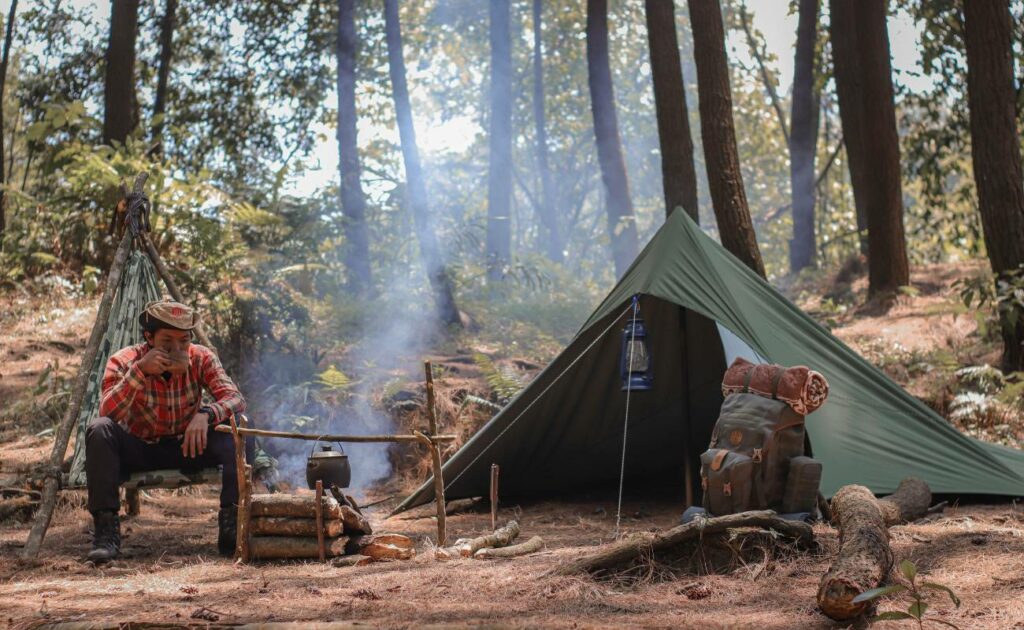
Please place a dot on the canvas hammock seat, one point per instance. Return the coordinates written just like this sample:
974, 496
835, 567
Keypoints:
139, 285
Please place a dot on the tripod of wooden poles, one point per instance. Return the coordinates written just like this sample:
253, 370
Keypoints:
136, 225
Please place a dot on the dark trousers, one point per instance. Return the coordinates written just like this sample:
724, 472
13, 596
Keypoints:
112, 454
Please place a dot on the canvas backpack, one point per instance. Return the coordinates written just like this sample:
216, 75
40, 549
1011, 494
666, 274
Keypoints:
747, 465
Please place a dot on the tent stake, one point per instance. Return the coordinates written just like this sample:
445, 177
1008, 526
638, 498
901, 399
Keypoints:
494, 496
60, 443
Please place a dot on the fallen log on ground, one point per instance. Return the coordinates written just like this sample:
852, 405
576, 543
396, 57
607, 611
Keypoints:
466, 547
909, 503
644, 544
273, 547
293, 526
533, 545
865, 558
382, 547
292, 505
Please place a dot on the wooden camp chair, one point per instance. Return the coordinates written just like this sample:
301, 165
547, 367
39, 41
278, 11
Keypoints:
169, 479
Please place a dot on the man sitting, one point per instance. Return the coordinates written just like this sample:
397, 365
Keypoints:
152, 417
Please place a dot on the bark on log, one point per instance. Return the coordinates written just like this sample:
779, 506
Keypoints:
382, 547
533, 545
355, 523
271, 547
466, 547
865, 557
351, 561
643, 544
909, 503
293, 526
292, 505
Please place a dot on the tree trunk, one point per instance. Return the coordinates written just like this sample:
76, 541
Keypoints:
725, 180
803, 138
995, 151
549, 216
433, 261
499, 173
163, 74
121, 107
860, 49
621, 220
353, 203
678, 177
8, 38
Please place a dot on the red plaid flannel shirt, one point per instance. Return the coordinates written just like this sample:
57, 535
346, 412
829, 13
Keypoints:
150, 407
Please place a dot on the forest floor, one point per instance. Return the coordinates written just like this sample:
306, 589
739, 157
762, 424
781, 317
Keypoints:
170, 573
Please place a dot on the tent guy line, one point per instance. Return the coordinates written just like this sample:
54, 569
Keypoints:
635, 306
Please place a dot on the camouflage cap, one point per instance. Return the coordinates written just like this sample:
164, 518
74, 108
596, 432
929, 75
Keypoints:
173, 314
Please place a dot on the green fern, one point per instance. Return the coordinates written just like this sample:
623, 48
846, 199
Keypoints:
333, 379
985, 378
505, 383
973, 408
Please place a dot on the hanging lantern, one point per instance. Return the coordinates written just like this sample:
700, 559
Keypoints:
635, 362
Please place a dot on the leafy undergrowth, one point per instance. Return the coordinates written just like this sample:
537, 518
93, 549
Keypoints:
925, 337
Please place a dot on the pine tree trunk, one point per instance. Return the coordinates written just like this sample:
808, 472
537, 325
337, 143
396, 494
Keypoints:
353, 203
718, 134
163, 74
860, 49
621, 220
499, 173
803, 139
678, 176
549, 216
121, 107
995, 151
8, 38
433, 261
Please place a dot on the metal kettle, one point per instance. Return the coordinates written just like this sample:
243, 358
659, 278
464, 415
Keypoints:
329, 466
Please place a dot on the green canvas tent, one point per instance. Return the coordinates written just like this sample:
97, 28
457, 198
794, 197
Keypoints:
702, 308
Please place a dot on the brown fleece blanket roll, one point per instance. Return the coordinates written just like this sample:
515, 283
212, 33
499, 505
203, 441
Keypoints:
800, 387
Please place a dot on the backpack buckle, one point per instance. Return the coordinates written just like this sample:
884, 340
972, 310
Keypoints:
757, 456
727, 489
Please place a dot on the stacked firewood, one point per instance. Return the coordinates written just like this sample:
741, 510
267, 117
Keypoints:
285, 526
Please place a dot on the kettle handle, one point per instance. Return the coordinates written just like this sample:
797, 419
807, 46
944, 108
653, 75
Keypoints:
320, 438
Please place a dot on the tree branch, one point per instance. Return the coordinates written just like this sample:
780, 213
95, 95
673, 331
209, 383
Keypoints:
766, 78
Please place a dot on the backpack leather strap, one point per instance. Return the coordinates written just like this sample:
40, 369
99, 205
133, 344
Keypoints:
776, 377
746, 380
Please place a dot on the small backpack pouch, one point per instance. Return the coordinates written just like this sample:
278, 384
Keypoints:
801, 493
727, 478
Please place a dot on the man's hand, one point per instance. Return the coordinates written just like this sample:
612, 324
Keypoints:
195, 436
155, 362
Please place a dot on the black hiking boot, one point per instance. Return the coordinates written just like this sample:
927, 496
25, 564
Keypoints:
227, 530
106, 539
